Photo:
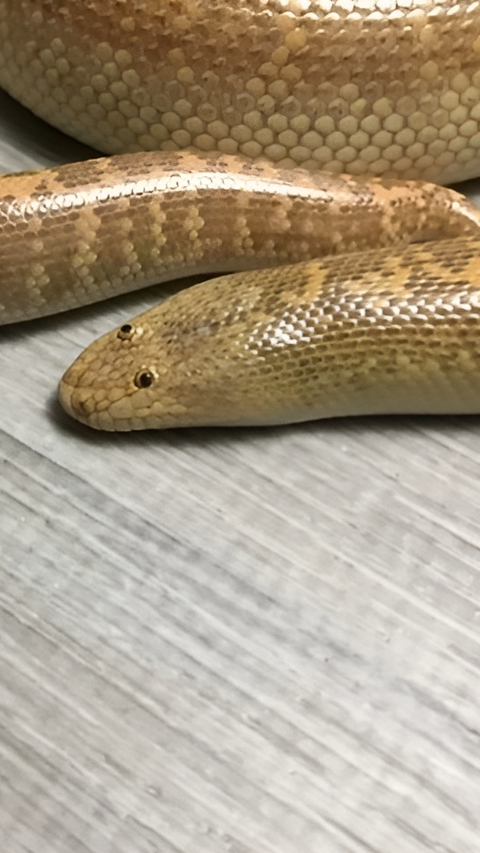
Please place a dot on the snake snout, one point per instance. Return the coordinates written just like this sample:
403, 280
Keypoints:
83, 400
75, 400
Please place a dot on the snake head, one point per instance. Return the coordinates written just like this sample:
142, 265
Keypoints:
119, 382
203, 357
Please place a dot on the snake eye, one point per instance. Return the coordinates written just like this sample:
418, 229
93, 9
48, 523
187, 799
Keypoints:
144, 378
126, 332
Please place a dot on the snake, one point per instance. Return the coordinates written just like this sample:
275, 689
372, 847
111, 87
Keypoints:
303, 147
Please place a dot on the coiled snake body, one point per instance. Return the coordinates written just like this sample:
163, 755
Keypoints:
383, 91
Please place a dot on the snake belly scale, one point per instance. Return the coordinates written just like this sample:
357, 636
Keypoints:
387, 321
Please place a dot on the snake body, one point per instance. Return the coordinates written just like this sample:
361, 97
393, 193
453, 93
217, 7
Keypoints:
369, 87
374, 89
81, 232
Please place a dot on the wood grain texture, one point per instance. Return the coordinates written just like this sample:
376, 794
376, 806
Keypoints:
254, 641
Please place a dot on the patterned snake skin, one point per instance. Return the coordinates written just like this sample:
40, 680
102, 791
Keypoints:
382, 91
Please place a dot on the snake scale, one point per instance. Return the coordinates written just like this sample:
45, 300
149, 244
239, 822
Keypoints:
302, 142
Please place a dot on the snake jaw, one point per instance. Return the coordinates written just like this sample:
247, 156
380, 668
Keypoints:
130, 412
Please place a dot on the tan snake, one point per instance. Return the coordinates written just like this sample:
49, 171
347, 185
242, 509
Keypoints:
388, 89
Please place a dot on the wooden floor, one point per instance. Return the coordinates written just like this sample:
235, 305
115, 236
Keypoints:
245, 641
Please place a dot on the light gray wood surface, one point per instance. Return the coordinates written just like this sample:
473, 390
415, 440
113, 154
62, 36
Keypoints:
245, 641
